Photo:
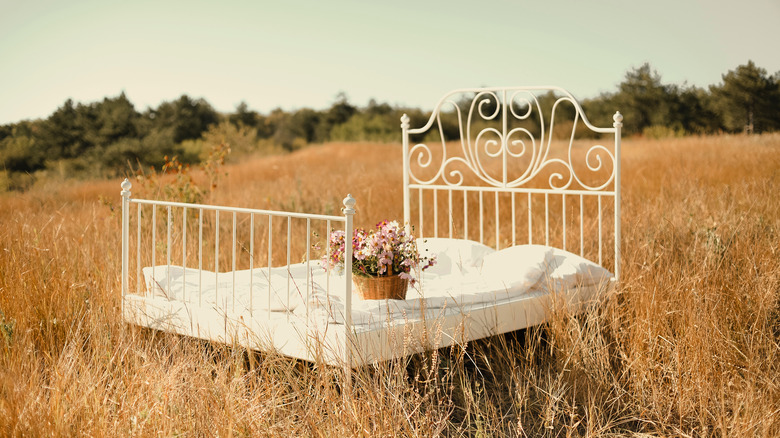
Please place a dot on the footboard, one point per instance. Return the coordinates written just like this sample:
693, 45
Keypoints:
233, 275
506, 166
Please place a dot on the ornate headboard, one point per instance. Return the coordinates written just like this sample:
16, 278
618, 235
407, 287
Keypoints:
522, 146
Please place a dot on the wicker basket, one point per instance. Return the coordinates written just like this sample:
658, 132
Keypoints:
379, 288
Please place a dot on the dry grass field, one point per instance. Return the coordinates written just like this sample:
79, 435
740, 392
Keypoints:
689, 345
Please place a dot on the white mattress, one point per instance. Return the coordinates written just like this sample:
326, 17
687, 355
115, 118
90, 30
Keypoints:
467, 274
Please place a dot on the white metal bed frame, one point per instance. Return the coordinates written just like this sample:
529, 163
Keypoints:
352, 346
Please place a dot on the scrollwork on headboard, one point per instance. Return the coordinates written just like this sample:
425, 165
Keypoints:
505, 138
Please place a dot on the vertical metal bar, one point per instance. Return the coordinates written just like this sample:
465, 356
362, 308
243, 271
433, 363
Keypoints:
308, 267
138, 253
251, 263
234, 263
465, 214
618, 124
498, 224
481, 220
449, 196
582, 227
514, 221
154, 239
420, 211
349, 212
327, 257
169, 224
547, 219
435, 213
184, 252
563, 213
200, 256
405, 155
289, 238
270, 257
530, 216
599, 197
125, 194
504, 148
216, 259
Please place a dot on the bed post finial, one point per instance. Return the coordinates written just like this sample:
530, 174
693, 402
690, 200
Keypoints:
618, 118
349, 204
126, 186
404, 121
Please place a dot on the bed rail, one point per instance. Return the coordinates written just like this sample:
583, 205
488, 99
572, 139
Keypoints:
484, 150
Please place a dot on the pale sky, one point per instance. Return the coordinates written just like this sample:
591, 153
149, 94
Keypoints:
294, 54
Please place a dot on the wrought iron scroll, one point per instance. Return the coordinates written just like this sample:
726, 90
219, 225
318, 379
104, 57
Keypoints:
494, 125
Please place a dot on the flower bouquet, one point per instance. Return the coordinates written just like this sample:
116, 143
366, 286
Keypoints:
382, 259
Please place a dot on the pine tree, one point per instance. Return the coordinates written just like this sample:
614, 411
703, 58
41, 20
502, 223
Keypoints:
748, 99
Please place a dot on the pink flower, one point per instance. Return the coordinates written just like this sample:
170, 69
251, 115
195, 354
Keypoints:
386, 250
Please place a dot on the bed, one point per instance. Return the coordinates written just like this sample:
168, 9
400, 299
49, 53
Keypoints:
513, 190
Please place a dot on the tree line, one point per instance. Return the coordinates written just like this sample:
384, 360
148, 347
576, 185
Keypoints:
747, 100
101, 138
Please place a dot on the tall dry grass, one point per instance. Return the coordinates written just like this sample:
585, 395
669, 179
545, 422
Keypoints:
689, 344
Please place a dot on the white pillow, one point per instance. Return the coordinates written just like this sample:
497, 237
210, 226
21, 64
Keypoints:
517, 267
568, 270
452, 255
